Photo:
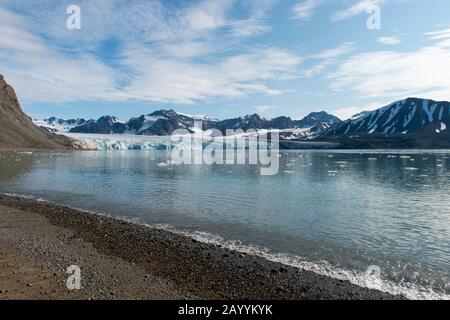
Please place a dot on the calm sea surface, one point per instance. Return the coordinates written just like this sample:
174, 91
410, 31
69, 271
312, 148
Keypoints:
335, 212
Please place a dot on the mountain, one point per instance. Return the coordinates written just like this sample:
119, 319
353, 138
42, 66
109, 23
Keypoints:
54, 124
413, 122
104, 125
17, 130
407, 116
160, 123
164, 122
317, 119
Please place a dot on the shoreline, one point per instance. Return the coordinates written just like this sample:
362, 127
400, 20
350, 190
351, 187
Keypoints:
117, 258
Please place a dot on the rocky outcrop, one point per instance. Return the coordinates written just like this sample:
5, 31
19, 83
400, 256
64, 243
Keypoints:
17, 130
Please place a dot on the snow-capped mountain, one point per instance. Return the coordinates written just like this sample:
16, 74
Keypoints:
159, 123
409, 116
318, 119
54, 124
164, 122
104, 125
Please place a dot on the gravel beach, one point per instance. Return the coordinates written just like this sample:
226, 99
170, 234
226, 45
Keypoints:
122, 260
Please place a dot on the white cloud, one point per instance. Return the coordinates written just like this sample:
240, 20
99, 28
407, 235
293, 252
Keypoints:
168, 70
304, 10
336, 52
438, 35
165, 79
389, 74
145, 20
389, 40
41, 74
349, 112
359, 7
327, 58
263, 108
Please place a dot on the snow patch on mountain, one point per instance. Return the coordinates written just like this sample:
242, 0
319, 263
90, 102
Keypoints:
59, 125
409, 116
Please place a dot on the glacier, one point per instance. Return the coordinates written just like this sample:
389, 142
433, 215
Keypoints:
163, 143
119, 142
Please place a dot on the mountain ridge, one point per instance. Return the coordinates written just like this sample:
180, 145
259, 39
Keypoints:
17, 130
407, 123
164, 122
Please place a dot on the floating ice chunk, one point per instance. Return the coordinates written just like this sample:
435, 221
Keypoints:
166, 164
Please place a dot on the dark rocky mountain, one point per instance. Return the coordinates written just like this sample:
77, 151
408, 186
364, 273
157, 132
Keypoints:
165, 122
160, 123
409, 123
104, 125
409, 116
248, 122
17, 130
317, 119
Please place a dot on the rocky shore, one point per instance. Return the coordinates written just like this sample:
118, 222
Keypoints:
122, 260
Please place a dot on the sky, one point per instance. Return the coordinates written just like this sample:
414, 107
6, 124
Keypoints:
223, 58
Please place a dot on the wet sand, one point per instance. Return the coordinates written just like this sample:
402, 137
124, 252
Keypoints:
122, 260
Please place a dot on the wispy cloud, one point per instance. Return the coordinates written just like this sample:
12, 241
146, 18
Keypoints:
164, 79
348, 112
327, 58
305, 9
438, 35
185, 61
168, 71
263, 109
390, 74
40, 73
389, 40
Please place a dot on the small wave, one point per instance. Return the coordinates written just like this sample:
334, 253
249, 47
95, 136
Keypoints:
408, 290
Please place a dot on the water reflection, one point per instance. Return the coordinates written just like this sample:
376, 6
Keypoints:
353, 209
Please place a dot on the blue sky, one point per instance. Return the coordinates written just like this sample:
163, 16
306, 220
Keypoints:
223, 58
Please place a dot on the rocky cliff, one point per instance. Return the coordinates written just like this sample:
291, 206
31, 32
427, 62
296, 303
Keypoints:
17, 130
